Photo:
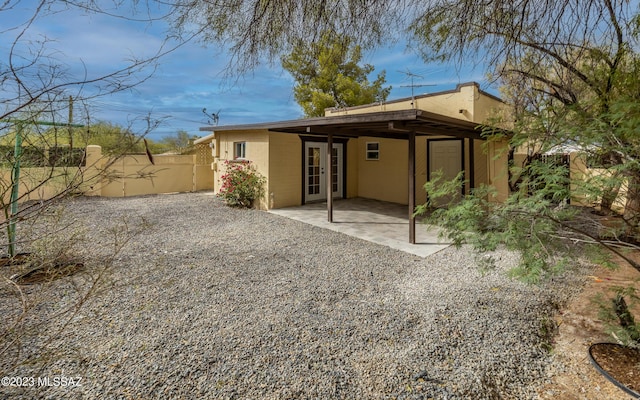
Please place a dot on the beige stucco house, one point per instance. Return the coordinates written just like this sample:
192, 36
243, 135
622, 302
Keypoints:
385, 151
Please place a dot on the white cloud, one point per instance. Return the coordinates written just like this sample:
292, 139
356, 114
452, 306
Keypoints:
191, 77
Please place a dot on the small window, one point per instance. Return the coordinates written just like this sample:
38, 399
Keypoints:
239, 150
373, 151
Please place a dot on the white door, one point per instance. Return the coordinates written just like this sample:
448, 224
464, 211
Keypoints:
445, 156
315, 167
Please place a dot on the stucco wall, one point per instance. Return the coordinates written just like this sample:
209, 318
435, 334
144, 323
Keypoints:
257, 151
392, 168
203, 177
481, 162
385, 179
58, 180
285, 167
134, 175
465, 102
278, 157
498, 173
42, 183
130, 175
353, 168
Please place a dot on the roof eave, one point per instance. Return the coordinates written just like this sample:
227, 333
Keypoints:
393, 124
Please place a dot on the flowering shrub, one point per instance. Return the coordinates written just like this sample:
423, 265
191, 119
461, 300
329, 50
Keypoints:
242, 184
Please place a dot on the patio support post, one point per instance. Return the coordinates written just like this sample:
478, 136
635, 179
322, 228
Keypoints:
412, 187
472, 166
329, 178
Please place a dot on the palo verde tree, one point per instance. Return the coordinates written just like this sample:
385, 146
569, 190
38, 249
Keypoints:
569, 69
569, 61
328, 74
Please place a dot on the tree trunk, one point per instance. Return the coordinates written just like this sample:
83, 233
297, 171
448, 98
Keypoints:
612, 187
625, 318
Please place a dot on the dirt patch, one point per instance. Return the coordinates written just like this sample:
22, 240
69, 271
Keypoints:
621, 363
579, 327
25, 269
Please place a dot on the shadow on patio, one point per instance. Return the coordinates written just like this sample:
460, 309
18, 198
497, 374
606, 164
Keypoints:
376, 221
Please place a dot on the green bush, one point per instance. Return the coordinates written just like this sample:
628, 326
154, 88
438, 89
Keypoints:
242, 184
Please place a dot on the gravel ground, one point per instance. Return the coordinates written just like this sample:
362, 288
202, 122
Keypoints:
218, 303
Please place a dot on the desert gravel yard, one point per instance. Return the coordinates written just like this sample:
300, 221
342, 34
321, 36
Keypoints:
217, 303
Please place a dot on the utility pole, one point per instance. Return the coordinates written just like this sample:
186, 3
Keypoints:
15, 180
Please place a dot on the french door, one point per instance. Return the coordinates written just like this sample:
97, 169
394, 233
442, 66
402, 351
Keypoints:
316, 170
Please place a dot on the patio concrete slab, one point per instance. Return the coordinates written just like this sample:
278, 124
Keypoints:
376, 221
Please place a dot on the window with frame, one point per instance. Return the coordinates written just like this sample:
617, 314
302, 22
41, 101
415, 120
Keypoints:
239, 150
373, 151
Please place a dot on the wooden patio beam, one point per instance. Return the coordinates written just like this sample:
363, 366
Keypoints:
336, 131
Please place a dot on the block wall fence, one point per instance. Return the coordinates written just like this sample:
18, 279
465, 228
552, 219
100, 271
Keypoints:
128, 175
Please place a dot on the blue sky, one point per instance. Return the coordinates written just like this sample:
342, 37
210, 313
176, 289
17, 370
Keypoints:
191, 78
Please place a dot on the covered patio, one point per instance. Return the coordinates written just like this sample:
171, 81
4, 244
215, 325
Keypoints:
372, 220
383, 151
403, 125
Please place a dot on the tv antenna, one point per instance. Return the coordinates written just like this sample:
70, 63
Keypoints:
411, 75
213, 116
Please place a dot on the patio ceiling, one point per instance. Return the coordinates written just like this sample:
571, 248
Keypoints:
388, 124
